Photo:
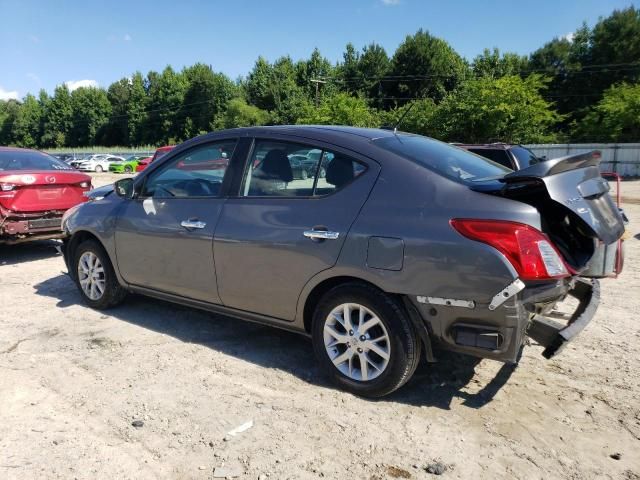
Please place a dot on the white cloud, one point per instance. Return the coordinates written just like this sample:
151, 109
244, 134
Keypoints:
127, 37
569, 36
391, 2
8, 94
74, 84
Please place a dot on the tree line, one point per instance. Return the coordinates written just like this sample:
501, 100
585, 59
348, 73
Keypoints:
582, 88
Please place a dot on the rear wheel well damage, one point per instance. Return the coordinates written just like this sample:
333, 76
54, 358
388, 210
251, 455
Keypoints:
323, 287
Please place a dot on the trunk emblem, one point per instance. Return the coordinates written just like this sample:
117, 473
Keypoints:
28, 179
51, 179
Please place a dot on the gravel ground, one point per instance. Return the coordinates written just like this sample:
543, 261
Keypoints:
74, 380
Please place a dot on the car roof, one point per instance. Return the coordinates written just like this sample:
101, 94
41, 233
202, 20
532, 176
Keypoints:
17, 149
486, 146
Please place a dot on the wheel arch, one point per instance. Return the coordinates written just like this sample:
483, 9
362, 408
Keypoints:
76, 239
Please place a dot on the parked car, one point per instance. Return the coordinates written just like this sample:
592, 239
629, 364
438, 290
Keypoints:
35, 191
96, 163
128, 165
513, 156
408, 243
159, 153
66, 157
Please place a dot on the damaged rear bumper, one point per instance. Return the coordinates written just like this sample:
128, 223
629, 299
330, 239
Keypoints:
553, 335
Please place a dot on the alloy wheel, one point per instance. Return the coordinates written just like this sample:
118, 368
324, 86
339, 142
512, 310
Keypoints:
357, 342
91, 275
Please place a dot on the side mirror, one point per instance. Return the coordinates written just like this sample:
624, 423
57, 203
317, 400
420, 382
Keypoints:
124, 188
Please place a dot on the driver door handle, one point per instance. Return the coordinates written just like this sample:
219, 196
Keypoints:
321, 234
191, 224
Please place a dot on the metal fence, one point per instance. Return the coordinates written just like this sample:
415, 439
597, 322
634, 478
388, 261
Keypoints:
621, 158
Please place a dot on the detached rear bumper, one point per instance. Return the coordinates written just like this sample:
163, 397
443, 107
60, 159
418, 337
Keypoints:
554, 335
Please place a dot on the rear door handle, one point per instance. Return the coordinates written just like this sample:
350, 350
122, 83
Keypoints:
191, 224
321, 234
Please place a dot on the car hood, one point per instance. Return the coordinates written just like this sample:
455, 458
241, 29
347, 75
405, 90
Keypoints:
100, 192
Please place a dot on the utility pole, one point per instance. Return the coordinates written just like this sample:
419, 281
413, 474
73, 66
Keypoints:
317, 82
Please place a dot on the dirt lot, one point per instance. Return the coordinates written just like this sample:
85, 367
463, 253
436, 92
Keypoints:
72, 381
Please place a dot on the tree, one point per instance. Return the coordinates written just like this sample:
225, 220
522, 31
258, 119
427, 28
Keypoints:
340, 109
57, 118
206, 96
317, 67
136, 110
8, 115
90, 110
425, 66
510, 109
165, 124
415, 117
26, 125
616, 118
117, 130
239, 114
490, 63
374, 64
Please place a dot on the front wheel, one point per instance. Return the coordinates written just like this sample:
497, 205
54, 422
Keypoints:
99, 169
128, 169
364, 339
95, 277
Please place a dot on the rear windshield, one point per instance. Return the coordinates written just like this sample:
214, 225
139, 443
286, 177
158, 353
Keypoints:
29, 160
525, 157
451, 162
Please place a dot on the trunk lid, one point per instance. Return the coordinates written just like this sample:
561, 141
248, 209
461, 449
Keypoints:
575, 183
36, 191
573, 199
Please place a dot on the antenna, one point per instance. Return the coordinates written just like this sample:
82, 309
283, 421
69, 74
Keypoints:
397, 124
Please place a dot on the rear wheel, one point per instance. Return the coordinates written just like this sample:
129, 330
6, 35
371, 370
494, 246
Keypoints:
364, 339
304, 175
99, 169
128, 169
95, 277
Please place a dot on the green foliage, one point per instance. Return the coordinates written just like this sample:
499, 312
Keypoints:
340, 109
616, 118
57, 118
240, 114
25, 130
493, 64
427, 66
90, 110
507, 109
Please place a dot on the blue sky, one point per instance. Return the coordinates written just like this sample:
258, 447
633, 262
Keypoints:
46, 43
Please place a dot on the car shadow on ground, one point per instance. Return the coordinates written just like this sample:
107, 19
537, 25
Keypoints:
432, 385
28, 252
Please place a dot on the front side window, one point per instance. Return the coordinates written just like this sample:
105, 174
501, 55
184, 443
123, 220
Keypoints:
284, 169
198, 172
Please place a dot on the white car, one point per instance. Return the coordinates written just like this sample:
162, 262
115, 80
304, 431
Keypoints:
96, 163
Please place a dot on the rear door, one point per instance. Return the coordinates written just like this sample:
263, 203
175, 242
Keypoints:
164, 237
280, 231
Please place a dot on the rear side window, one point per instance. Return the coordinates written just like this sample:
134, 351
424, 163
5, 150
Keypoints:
451, 162
498, 156
285, 169
525, 157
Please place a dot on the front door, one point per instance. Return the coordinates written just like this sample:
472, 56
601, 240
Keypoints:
164, 236
287, 224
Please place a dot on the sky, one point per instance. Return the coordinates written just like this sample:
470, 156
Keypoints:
90, 42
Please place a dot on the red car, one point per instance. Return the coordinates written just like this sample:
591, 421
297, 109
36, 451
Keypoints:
35, 191
142, 164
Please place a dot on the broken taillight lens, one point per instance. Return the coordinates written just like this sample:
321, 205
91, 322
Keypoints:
529, 250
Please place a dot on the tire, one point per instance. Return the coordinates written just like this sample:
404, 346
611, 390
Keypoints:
99, 169
112, 292
128, 169
403, 346
304, 175
322, 173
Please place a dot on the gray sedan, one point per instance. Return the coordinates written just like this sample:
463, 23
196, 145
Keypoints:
403, 246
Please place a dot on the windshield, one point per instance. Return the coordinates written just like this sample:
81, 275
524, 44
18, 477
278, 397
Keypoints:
525, 157
29, 160
446, 160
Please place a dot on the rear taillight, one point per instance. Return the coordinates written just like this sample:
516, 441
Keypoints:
7, 187
85, 184
529, 250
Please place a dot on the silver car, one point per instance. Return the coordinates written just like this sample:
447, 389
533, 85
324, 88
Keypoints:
404, 246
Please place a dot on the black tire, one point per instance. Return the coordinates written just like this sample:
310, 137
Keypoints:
322, 173
99, 169
128, 169
113, 293
405, 346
